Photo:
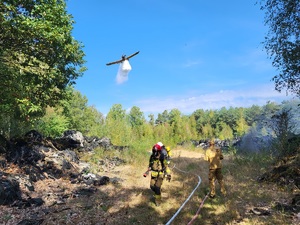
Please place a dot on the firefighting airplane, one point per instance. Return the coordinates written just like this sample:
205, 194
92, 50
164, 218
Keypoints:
122, 59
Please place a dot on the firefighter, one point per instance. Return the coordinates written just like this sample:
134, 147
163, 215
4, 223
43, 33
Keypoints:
214, 156
169, 154
166, 150
159, 169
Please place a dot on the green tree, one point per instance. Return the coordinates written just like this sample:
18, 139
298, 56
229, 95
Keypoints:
281, 124
212, 118
241, 127
162, 118
163, 133
199, 116
177, 124
225, 131
117, 125
53, 124
73, 108
72, 113
39, 57
137, 120
283, 41
252, 114
82, 117
192, 127
207, 131
94, 122
151, 119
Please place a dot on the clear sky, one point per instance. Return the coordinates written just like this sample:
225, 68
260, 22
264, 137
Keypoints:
194, 54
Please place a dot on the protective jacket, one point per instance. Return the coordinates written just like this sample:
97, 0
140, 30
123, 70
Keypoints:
158, 165
214, 156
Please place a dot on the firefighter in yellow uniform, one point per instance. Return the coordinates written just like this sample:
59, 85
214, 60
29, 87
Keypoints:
159, 169
214, 156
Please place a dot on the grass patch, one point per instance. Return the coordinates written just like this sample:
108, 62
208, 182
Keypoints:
130, 202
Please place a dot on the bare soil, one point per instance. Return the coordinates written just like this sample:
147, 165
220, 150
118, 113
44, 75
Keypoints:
128, 201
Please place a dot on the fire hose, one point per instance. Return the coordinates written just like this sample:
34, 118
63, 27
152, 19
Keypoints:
180, 208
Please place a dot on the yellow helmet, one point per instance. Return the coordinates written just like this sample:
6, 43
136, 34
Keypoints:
168, 148
212, 142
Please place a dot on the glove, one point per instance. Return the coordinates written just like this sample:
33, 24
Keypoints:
168, 177
147, 172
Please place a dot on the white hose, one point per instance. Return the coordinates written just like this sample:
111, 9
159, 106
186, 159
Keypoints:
178, 211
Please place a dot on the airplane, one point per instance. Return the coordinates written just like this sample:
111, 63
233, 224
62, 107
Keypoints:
122, 59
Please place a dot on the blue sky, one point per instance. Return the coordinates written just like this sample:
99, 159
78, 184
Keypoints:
194, 54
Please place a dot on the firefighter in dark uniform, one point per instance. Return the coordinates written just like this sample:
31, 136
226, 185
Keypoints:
159, 169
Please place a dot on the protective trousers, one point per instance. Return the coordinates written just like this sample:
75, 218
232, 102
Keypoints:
155, 185
212, 176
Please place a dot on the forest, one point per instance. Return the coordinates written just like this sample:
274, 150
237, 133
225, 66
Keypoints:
132, 128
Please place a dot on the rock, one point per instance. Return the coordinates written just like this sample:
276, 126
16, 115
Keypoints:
74, 136
33, 136
9, 191
35, 159
3, 144
31, 222
260, 211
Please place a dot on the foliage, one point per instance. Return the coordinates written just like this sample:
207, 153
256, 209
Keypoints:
82, 117
53, 124
176, 124
137, 120
225, 123
273, 128
282, 126
151, 119
252, 113
207, 131
283, 42
162, 117
39, 57
163, 133
242, 127
117, 125
225, 131
71, 114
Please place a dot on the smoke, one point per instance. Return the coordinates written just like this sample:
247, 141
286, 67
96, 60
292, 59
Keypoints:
124, 69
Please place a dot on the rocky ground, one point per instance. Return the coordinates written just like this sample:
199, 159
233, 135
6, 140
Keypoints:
41, 177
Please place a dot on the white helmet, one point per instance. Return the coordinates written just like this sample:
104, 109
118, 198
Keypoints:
160, 144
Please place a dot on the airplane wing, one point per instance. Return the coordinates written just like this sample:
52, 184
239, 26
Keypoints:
115, 62
121, 60
132, 55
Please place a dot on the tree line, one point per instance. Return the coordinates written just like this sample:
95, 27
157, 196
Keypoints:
170, 126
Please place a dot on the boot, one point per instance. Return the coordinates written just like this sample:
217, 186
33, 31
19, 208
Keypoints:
222, 185
157, 200
212, 189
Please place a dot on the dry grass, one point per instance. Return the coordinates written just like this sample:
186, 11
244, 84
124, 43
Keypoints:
129, 201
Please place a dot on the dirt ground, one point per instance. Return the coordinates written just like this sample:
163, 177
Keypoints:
127, 201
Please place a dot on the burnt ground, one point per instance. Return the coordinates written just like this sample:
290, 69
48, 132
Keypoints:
45, 182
